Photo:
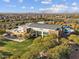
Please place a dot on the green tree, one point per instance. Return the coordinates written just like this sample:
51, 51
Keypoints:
38, 45
59, 52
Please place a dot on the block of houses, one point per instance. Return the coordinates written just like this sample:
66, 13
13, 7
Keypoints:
16, 34
39, 29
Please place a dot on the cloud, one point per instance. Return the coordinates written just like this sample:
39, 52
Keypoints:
60, 8
23, 7
31, 7
36, 0
75, 9
7, 1
64, 0
74, 4
46, 1
11, 6
20, 1
55, 8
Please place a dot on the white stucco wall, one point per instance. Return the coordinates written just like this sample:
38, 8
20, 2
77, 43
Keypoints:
39, 29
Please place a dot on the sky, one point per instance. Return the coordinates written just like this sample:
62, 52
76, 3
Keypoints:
44, 6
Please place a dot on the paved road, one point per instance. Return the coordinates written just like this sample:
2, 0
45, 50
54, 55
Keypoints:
75, 53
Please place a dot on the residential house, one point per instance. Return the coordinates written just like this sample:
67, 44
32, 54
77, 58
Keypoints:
43, 29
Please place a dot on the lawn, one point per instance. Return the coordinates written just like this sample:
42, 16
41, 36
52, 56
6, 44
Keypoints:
15, 48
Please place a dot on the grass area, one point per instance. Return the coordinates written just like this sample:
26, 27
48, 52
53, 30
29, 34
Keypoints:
15, 47
2, 32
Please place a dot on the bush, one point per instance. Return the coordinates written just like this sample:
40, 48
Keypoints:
64, 41
59, 52
75, 38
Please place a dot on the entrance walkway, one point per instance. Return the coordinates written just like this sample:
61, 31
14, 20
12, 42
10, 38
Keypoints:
75, 53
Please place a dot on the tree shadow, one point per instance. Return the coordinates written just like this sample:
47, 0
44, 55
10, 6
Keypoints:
6, 40
2, 43
5, 55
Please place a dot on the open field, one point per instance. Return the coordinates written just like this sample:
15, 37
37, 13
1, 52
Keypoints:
14, 48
